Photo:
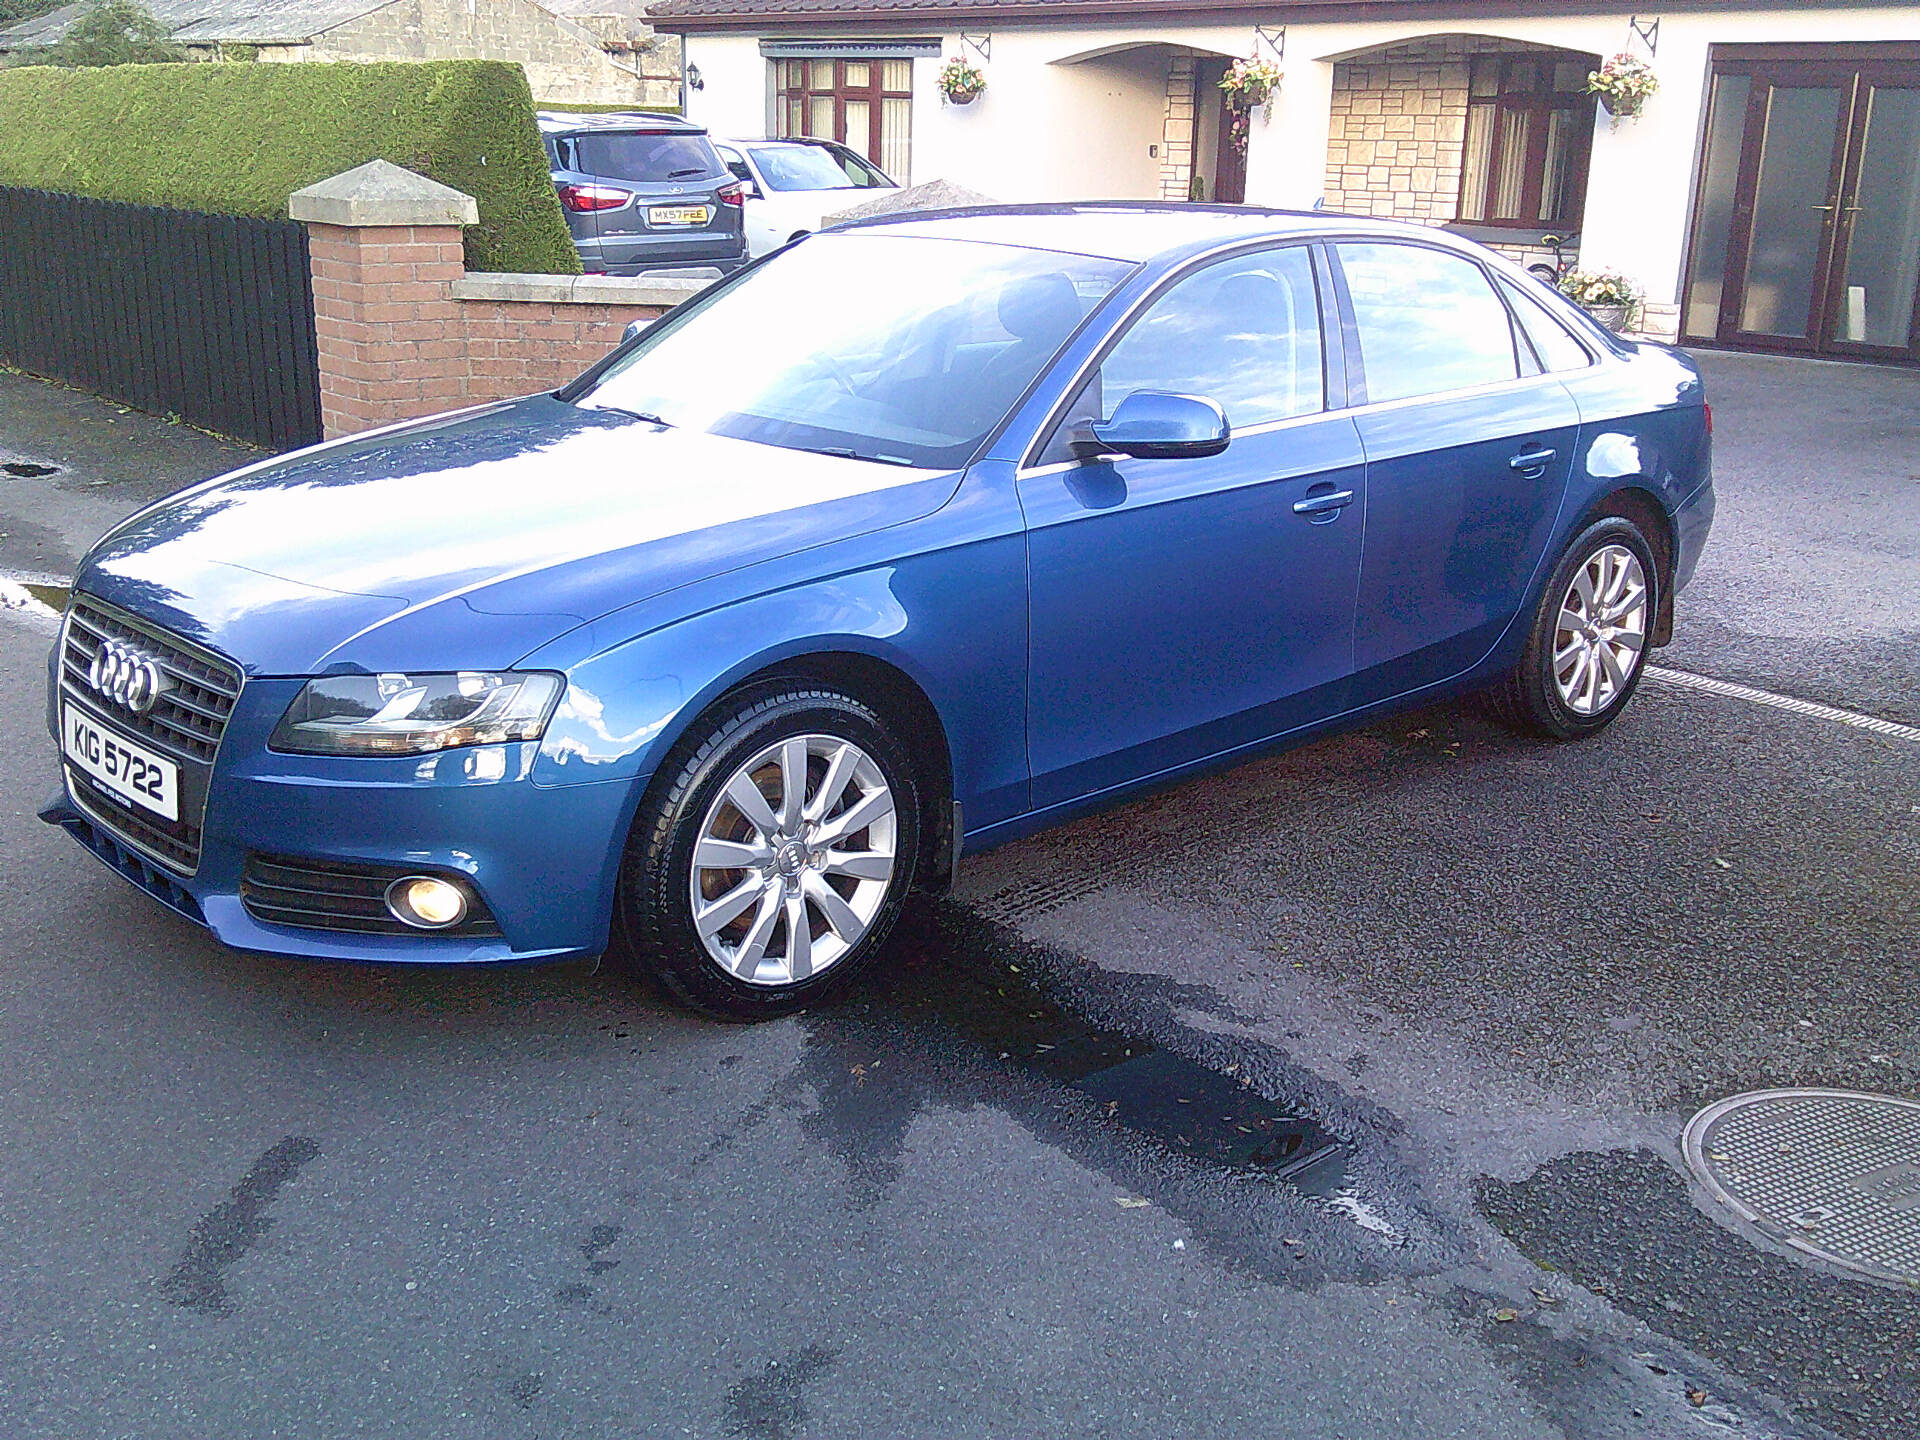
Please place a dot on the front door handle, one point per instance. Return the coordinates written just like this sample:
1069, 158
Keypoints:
1532, 462
1323, 504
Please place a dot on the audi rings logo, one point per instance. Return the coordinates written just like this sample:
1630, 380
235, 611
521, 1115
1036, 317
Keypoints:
127, 676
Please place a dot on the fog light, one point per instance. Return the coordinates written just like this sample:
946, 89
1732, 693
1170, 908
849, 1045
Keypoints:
426, 902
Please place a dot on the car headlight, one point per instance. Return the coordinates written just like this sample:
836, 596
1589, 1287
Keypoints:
415, 714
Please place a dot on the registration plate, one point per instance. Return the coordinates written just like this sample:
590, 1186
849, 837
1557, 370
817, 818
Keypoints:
678, 214
128, 770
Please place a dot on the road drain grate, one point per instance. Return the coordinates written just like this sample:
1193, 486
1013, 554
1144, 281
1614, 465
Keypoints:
1833, 1173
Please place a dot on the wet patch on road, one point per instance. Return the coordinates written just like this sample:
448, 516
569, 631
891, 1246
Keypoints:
772, 1405
1273, 1172
228, 1231
1844, 1354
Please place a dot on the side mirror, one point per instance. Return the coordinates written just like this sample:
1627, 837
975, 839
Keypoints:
1156, 425
636, 328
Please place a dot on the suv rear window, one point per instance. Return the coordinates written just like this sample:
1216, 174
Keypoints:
638, 155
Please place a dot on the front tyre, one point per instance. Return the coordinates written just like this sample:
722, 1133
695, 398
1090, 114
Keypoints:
1587, 649
773, 863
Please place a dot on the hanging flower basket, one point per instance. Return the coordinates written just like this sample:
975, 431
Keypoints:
1606, 295
1248, 83
961, 81
1624, 84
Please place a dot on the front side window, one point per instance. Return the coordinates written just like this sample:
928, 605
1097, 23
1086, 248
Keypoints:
1529, 130
1428, 321
866, 105
1244, 333
646, 157
896, 349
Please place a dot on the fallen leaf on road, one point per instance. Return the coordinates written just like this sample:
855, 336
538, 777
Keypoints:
1696, 1398
1506, 1313
1130, 1202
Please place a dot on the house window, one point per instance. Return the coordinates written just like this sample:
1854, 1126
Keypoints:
1529, 131
865, 104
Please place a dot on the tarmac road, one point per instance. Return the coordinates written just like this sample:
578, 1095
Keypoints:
1491, 977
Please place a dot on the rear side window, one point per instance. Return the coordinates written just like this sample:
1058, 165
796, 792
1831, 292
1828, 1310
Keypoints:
1552, 341
1428, 321
647, 158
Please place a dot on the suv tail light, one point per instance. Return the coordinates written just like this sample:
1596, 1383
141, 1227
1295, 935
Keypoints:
593, 197
733, 193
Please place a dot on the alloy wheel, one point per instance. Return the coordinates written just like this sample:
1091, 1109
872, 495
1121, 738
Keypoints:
793, 860
1601, 630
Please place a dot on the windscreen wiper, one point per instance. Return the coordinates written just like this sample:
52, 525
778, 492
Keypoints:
844, 453
636, 415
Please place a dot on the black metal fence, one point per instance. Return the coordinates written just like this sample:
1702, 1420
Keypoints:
208, 317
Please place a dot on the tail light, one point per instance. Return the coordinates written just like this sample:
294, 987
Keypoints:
1709, 410
733, 193
593, 197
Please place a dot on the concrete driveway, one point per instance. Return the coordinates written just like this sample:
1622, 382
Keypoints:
1465, 988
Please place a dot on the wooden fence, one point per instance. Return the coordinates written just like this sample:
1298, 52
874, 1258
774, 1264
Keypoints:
208, 317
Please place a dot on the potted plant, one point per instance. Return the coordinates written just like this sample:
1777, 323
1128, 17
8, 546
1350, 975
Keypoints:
1248, 83
1607, 295
1623, 84
961, 81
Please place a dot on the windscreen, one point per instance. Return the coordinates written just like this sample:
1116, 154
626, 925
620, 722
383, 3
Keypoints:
801, 167
618, 155
898, 349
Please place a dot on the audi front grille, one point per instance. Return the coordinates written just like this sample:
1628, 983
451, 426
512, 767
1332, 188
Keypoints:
184, 722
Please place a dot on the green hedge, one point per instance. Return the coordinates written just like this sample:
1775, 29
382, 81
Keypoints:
568, 107
239, 139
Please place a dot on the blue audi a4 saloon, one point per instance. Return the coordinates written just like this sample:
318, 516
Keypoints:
916, 536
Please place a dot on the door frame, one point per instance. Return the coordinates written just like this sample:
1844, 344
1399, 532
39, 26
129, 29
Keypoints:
1852, 67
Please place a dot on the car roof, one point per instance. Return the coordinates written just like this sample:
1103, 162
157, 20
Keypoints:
1132, 230
566, 122
771, 143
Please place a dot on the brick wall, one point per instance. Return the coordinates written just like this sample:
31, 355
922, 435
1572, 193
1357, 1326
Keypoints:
1177, 128
1398, 122
404, 331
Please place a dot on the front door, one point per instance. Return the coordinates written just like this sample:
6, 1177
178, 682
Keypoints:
1807, 231
1182, 608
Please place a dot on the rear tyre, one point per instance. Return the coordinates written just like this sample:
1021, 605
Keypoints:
1587, 648
772, 864
1545, 274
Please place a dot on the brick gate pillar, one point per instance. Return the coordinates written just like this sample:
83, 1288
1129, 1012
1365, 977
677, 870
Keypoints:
385, 251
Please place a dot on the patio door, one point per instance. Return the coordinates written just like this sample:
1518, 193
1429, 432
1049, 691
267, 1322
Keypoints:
1807, 229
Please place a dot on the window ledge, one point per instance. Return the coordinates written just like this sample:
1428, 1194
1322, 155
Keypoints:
1511, 234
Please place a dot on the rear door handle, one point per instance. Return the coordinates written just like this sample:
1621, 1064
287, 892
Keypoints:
1534, 460
1323, 507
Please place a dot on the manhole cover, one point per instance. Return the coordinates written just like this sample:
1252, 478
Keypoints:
1830, 1172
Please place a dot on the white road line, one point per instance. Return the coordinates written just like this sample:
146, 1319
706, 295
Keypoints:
1727, 689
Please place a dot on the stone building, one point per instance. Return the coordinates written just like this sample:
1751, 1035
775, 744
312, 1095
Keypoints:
603, 52
1764, 198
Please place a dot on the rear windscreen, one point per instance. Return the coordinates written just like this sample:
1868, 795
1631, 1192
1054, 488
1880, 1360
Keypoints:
647, 157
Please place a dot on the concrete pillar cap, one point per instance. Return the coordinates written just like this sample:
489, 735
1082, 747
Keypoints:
380, 193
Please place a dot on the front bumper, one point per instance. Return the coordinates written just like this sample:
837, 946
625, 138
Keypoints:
544, 860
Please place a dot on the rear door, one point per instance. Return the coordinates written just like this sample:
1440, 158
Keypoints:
1468, 452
